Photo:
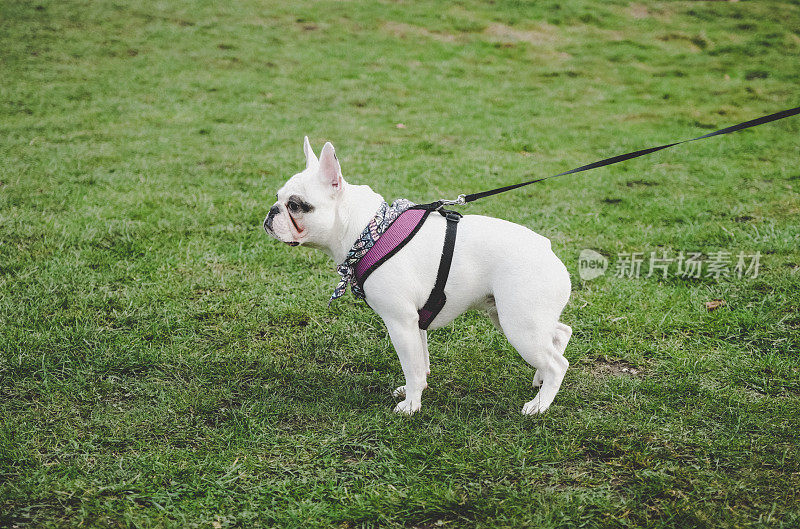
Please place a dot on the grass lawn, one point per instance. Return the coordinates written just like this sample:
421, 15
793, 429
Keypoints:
163, 363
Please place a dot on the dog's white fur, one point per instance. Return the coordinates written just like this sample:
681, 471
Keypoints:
500, 267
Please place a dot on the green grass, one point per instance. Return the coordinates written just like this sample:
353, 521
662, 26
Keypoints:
165, 364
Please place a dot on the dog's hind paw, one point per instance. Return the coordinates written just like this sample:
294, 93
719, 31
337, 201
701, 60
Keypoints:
399, 392
408, 407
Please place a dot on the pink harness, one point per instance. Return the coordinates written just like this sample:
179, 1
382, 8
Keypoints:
399, 232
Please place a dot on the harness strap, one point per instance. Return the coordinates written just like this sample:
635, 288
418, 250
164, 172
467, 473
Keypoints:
437, 299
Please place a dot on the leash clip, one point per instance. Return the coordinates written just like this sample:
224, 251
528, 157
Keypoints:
460, 201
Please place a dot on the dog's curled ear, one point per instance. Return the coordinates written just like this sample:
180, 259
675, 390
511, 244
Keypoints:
329, 170
311, 158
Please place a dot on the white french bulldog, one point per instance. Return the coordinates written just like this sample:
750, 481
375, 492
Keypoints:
503, 268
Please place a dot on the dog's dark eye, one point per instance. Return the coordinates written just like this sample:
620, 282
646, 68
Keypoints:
296, 204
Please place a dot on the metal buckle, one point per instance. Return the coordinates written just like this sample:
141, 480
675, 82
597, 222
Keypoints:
460, 201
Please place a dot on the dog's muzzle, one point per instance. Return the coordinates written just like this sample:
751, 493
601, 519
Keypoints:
274, 210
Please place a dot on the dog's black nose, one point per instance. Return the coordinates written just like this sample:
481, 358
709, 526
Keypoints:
274, 210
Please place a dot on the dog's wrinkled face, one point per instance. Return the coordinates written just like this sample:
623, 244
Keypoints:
306, 210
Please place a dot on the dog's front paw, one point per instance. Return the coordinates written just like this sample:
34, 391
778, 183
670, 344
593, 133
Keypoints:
399, 392
533, 407
408, 407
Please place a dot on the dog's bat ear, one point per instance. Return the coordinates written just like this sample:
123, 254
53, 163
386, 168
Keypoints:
329, 170
311, 158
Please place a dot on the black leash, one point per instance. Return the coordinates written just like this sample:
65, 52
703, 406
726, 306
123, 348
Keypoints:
463, 199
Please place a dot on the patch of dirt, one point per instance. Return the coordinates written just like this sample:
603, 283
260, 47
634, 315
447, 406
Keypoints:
545, 38
542, 34
641, 10
613, 368
638, 11
646, 117
402, 31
